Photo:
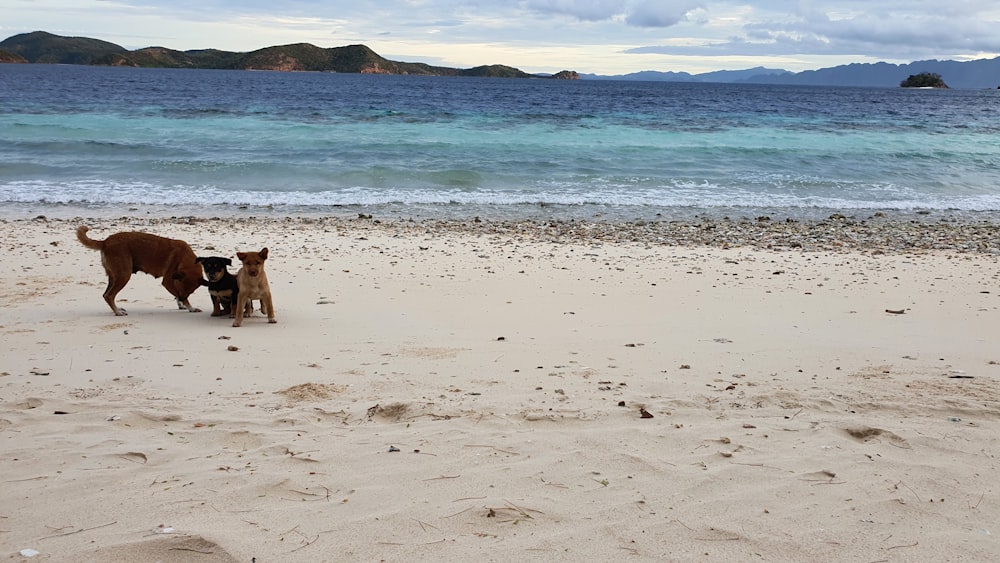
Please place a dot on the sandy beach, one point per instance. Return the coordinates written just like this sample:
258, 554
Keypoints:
508, 392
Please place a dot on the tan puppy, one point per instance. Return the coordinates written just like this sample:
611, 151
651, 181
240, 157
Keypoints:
124, 254
253, 285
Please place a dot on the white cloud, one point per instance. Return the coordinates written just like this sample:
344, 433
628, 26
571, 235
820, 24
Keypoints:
586, 10
653, 13
895, 31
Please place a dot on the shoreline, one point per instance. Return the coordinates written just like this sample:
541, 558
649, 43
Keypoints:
880, 234
450, 390
509, 213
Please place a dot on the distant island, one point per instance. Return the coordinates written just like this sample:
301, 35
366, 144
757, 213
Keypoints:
43, 47
924, 80
40, 47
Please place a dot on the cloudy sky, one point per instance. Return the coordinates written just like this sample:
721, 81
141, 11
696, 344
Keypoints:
590, 36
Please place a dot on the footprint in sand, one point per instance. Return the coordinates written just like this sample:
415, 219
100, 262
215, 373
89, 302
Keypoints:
310, 392
196, 548
30, 403
867, 434
394, 412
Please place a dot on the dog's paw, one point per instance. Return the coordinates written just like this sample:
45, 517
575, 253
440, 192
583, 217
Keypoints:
236, 323
194, 310
272, 321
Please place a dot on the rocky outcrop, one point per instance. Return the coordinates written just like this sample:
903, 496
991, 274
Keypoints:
567, 75
375, 68
280, 62
7, 57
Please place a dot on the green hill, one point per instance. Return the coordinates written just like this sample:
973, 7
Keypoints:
43, 47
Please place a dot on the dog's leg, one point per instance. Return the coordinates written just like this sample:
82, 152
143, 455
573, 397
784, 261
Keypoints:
234, 299
185, 304
265, 303
216, 306
115, 285
119, 272
182, 302
238, 308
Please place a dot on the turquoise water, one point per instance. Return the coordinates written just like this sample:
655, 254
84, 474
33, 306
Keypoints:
223, 141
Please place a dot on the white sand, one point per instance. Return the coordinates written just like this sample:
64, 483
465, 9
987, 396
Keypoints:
793, 418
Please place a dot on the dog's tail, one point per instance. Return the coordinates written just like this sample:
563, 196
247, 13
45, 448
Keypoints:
81, 233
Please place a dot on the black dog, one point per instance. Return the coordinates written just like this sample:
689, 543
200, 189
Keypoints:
221, 284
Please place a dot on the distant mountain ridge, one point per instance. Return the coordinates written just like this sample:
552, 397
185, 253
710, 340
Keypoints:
44, 47
714, 76
983, 73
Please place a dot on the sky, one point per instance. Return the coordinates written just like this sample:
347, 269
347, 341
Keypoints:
606, 37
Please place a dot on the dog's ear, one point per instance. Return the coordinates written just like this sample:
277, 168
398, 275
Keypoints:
199, 260
263, 253
241, 255
227, 261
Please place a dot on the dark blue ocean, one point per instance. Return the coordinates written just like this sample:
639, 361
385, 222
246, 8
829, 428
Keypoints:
207, 142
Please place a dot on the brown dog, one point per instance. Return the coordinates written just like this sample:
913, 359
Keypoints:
253, 285
124, 254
